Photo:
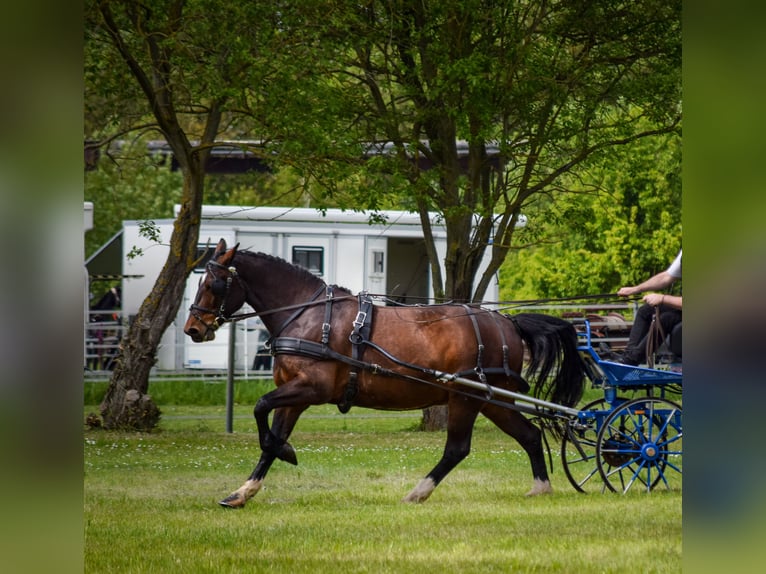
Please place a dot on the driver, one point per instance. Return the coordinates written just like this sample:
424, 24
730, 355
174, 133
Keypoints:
669, 310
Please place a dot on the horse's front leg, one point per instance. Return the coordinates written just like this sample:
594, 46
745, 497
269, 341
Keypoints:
273, 441
252, 485
284, 422
296, 395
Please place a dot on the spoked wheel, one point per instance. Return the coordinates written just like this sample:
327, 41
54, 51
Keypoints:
640, 444
578, 451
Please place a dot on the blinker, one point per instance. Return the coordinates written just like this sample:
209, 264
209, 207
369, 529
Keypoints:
218, 287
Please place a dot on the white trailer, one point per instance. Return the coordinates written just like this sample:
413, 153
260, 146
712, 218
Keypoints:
341, 247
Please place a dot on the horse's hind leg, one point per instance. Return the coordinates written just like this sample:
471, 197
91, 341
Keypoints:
284, 422
462, 415
514, 424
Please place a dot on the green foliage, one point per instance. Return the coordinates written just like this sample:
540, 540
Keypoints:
139, 187
553, 84
281, 187
620, 233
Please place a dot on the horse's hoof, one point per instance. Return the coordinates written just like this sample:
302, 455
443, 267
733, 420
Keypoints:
233, 501
540, 487
421, 492
287, 454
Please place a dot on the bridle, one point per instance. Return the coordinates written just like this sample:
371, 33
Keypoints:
220, 288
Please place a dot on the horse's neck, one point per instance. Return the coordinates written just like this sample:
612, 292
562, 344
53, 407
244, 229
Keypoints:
276, 295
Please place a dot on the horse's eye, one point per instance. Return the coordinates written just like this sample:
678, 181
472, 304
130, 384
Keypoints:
218, 287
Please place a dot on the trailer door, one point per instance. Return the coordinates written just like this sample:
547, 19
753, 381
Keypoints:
408, 274
376, 264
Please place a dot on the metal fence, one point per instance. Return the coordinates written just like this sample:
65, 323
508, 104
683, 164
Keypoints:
103, 332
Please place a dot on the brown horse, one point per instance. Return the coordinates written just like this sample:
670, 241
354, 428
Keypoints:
334, 347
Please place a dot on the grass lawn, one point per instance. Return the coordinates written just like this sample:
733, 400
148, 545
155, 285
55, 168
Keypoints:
151, 503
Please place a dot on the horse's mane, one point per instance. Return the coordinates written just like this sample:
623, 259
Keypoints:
300, 273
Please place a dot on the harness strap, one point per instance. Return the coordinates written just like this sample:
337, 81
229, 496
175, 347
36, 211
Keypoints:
479, 368
329, 296
360, 339
359, 336
314, 350
302, 347
504, 343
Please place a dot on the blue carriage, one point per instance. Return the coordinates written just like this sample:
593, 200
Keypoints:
631, 437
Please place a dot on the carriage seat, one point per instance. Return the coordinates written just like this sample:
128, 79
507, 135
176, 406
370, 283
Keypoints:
669, 351
674, 340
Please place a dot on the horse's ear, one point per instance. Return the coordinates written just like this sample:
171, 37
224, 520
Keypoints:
220, 248
229, 255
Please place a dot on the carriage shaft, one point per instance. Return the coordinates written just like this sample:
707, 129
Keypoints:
519, 397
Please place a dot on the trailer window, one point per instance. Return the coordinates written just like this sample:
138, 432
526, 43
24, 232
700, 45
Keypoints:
204, 254
311, 258
378, 259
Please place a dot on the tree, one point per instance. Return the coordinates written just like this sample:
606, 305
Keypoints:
546, 86
156, 68
534, 88
626, 229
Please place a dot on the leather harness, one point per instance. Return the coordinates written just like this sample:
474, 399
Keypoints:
360, 340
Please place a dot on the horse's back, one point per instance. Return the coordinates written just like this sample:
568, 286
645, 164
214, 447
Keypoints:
446, 337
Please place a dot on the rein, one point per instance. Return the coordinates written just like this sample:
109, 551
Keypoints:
655, 337
507, 304
299, 308
532, 302
221, 318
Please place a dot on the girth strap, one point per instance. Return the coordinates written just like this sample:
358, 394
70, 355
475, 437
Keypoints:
359, 337
482, 371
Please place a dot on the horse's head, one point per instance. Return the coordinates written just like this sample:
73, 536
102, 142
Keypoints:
220, 294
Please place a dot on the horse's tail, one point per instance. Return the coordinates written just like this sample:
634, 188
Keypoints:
555, 369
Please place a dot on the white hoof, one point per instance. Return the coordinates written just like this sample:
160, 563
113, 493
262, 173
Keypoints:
421, 492
540, 487
239, 497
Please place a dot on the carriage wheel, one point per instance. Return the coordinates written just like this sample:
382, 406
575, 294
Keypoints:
641, 444
578, 451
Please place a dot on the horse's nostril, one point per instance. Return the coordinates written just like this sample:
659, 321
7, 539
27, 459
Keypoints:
192, 331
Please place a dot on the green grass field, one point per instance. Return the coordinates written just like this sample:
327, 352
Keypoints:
151, 503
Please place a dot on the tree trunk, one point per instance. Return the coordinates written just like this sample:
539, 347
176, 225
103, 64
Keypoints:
434, 418
460, 282
127, 404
